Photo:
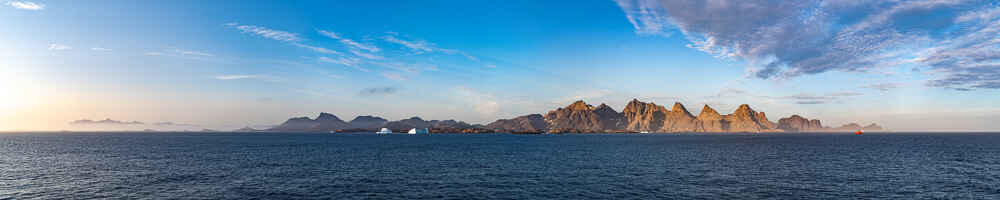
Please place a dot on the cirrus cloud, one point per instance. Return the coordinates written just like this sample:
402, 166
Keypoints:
26, 5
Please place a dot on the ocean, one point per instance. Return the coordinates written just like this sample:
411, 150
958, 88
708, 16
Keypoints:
499, 166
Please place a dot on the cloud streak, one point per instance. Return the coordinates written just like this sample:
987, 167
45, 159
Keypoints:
417, 46
316, 49
237, 77
25, 5
348, 42
266, 32
883, 87
59, 47
107, 121
378, 91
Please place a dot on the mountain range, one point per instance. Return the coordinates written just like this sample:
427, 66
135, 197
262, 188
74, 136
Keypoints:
580, 117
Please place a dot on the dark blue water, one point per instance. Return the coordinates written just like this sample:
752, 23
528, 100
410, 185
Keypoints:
356, 166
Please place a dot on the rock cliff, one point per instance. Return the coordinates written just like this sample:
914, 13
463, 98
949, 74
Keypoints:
581, 117
796, 123
710, 121
638, 116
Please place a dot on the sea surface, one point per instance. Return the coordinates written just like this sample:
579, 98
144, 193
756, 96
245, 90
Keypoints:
499, 166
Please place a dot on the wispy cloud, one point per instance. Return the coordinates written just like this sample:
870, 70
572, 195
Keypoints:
821, 99
181, 53
378, 91
784, 39
365, 55
25, 5
393, 76
345, 61
237, 77
104, 122
647, 17
883, 87
484, 103
99, 49
801, 98
172, 124
348, 42
266, 32
280, 35
416, 46
317, 49
193, 53
59, 47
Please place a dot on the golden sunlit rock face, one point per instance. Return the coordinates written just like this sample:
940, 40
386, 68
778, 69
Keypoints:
638, 116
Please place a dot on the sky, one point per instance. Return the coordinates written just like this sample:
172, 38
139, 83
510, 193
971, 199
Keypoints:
919, 65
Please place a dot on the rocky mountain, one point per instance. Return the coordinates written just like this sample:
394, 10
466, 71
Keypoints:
797, 123
295, 124
710, 120
639, 116
533, 123
872, 127
745, 119
323, 122
581, 117
851, 127
407, 124
326, 122
367, 122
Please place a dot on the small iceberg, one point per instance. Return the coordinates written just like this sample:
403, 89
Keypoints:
417, 131
384, 131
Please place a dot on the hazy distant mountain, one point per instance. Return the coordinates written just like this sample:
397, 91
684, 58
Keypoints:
797, 123
326, 122
246, 129
367, 122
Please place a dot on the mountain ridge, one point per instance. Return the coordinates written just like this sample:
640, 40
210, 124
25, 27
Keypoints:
580, 117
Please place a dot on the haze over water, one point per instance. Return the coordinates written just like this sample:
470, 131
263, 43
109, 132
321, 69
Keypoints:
360, 166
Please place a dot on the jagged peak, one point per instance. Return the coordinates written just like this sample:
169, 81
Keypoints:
744, 107
707, 113
635, 106
416, 118
578, 105
708, 109
326, 116
678, 107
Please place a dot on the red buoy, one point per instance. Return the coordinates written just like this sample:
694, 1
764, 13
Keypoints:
859, 132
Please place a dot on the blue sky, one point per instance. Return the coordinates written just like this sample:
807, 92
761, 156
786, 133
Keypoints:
907, 65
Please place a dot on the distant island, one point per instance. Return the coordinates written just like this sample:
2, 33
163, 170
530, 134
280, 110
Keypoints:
580, 117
